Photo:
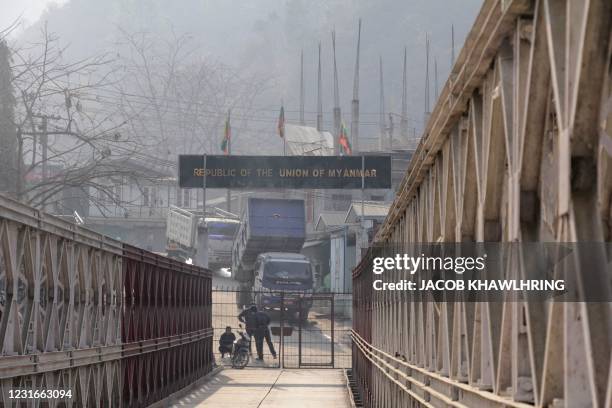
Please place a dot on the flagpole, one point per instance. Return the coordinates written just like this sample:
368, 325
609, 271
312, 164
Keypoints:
228, 199
204, 245
281, 132
284, 135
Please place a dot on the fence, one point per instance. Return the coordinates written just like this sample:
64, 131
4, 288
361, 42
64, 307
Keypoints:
316, 327
517, 149
106, 323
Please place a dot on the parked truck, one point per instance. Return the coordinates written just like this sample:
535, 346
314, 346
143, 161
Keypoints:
181, 234
221, 231
265, 255
184, 236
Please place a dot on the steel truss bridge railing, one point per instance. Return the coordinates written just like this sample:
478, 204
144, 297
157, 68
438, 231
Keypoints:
113, 324
517, 149
422, 384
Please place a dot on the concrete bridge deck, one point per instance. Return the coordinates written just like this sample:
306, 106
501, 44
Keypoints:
261, 387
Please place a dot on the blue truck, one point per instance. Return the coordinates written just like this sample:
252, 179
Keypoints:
265, 255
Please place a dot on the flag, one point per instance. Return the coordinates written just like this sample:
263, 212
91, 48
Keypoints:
281, 122
227, 136
345, 145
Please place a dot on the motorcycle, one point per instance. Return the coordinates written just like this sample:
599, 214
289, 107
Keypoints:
240, 352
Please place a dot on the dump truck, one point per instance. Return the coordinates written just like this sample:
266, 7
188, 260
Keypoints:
185, 231
221, 231
265, 254
181, 234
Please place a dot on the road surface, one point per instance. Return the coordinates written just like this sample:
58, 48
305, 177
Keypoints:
264, 388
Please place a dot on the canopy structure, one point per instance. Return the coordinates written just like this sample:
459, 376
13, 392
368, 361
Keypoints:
308, 141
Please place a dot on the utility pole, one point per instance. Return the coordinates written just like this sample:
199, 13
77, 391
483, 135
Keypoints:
8, 136
41, 136
44, 140
284, 135
228, 198
355, 101
320, 109
435, 80
337, 113
391, 125
302, 121
404, 118
19, 181
319, 96
203, 250
427, 104
382, 115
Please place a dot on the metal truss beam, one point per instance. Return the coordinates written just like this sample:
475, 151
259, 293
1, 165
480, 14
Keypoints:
116, 325
518, 149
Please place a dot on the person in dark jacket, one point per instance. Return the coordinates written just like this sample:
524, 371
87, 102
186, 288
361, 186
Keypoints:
226, 342
248, 317
263, 332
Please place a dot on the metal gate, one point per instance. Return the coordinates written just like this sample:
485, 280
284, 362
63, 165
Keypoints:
308, 331
314, 343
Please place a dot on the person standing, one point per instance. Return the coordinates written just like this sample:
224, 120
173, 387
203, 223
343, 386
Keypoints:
263, 328
249, 318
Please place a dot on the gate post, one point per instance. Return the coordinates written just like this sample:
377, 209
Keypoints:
333, 345
299, 332
281, 351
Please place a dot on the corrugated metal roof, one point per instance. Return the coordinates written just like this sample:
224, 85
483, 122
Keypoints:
330, 218
372, 209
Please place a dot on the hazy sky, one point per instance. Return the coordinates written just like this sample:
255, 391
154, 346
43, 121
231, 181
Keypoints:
29, 10
263, 39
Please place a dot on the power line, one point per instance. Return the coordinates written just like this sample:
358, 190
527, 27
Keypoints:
221, 112
252, 118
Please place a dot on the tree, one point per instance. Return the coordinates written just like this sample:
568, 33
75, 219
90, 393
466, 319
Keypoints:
66, 138
177, 97
76, 123
8, 134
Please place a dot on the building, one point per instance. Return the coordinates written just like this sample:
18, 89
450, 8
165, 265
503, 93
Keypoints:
369, 216
130, 202
339, 240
